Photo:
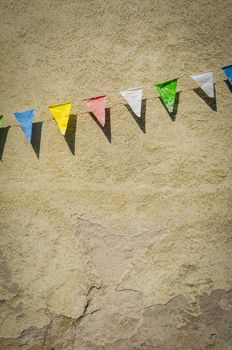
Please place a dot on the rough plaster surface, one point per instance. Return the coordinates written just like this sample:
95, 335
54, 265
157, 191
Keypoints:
127, 243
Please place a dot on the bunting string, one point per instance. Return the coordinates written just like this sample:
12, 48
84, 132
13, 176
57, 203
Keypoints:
148, 97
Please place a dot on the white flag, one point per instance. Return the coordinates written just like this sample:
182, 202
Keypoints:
134, 99
205, 81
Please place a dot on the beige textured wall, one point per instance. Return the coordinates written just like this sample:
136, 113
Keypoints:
126, 244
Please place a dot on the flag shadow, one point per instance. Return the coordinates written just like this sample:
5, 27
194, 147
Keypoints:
3, 137
36, 137
210, 101
141, 121
172, 114
107, 127
70, 135
228, 84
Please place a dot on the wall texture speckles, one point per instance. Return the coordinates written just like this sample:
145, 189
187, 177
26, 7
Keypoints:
125, 244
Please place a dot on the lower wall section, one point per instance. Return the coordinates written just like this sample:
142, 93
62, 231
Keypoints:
165, 327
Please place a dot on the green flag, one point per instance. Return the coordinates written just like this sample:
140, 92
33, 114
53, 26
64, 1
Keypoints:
1, 116
167, 91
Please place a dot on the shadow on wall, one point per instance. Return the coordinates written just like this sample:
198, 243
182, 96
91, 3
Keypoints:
70, 135
141, 121
107, 127
211, 101
173, 114
228, 84
3, 137
36, 137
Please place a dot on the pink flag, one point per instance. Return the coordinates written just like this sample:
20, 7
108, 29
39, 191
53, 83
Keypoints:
96, 105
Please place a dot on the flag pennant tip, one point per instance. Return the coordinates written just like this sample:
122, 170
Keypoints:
96, 105
205, 82
25, 119
134, 99
167, 91
61, 114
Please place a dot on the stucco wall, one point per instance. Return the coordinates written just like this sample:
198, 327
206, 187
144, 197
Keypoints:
125, 244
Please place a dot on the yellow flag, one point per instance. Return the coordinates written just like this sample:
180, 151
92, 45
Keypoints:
61, 114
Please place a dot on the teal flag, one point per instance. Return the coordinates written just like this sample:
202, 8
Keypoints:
25, 119
167, 91
228, 73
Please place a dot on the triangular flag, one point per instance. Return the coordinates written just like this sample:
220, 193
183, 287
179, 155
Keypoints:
61, 113
96, 105
205, 81
167, 90
228, 73
134, 99
25, 119
1, 116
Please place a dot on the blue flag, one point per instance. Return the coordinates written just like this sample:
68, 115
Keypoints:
25, 119
228, 73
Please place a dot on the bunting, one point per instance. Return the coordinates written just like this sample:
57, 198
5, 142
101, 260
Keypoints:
25, 119
61, 113
134, 99
167, 91
228, 73
133, 96
96, 105
205, 81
